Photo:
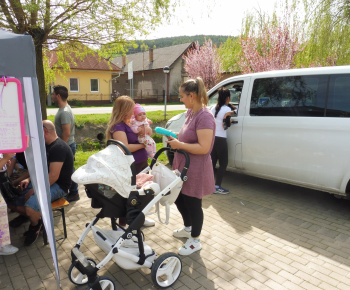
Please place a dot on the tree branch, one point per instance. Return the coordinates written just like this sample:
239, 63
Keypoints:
19, 14
7, 14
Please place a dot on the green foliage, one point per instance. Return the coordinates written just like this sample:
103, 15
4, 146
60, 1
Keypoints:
169, 41
81, 157
328, 34
157, 138
90, 145
229, 53
104, 24
76, 103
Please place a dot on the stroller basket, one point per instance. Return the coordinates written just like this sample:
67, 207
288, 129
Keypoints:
112, 204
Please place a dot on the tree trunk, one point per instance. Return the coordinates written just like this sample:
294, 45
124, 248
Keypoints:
41, 78
38, 36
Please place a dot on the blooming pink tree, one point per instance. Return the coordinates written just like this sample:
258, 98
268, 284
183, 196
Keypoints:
271, 48
203, 61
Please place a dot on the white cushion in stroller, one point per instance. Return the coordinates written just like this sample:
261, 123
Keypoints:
111, 167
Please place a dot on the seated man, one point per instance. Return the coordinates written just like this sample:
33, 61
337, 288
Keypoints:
60, 164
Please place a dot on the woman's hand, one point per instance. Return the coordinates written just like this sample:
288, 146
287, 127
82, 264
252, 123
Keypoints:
174, 143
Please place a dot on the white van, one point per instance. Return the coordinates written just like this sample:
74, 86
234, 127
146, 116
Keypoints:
292, 126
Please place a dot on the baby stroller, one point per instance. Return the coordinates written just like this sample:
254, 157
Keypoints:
110, 181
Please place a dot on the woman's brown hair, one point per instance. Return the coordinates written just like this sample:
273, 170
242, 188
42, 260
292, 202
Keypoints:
121, 108
196, 86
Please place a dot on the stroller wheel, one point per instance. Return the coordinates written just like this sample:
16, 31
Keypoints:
76, 277
166, 270
105, 283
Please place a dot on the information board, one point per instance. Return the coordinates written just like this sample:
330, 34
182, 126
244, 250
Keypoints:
12, 128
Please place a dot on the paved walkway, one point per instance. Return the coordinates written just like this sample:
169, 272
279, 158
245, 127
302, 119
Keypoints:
263, 235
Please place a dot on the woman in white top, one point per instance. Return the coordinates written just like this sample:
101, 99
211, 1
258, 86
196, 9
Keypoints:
220, 151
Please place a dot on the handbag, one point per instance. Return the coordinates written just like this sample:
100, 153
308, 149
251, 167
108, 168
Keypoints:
8, 191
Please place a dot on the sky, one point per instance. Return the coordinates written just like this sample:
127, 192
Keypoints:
210, 17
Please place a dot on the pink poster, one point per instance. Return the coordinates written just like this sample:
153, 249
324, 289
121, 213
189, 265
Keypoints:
12, 129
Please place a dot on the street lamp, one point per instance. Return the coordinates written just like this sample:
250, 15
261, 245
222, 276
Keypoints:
166, 70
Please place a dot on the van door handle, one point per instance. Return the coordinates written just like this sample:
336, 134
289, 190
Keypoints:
234, 122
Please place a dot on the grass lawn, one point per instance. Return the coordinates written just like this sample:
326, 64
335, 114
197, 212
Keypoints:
81, 156
101, 119
84, 151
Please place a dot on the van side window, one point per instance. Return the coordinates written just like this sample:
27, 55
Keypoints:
289, 96
235, 89
338, 104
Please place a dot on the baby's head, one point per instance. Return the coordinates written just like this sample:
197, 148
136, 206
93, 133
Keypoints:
139, 113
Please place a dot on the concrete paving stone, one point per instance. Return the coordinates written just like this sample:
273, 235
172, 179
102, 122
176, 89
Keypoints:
339, 272
281, 257
35, 283
44, 273
39, 262
29, 271
272, 276
226, 275
286, 267
257, 285
319, 268
11, 260
326, 286
222, 283
326, 279
14, 271
4, 281
192, 272
342, 286
338, 253
307, 277
239, 284
296, 258
205, 283
252, 265
189, 282
240, 274
291, 286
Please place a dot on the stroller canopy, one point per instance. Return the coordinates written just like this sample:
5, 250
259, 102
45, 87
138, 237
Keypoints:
111, 167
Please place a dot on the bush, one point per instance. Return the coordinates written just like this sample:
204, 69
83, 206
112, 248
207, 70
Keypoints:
90, 145
76, 103
157, 138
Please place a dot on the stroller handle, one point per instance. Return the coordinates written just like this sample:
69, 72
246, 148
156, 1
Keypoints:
187, 163
118, 143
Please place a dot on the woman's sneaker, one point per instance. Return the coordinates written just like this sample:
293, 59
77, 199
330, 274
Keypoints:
8, 250
220, 190
181, 233
191, 246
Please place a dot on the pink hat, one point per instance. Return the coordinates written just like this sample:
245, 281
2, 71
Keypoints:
138, 109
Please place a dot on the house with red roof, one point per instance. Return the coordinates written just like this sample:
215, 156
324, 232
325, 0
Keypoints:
89, 79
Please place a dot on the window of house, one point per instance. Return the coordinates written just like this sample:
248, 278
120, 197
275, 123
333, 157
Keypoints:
94, 85
74, 85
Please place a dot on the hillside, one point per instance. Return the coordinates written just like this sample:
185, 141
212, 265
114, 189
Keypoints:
169, 41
